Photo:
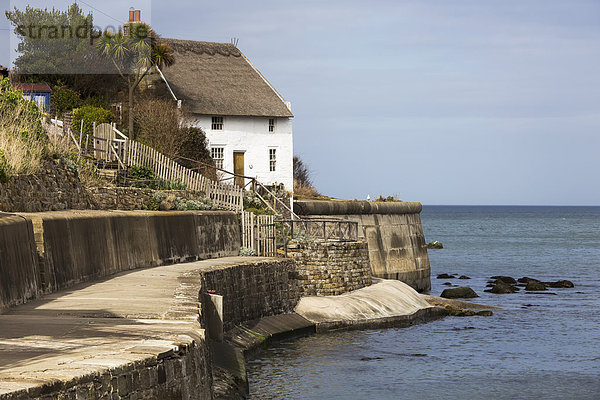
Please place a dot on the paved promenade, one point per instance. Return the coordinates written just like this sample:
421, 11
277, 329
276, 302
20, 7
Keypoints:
127, 318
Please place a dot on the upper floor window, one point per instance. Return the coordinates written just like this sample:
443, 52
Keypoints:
217, 154
217, 123
271, 124
272, 160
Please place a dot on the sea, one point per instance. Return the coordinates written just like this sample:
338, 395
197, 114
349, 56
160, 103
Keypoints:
537, 346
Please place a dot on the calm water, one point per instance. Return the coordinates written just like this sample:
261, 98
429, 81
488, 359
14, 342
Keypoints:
536, 347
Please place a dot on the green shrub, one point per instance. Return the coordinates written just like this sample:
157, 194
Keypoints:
247, 252
97, 101
189, 205
141, 173
3, 173
89, 115
143, 177
388, 199
64, 99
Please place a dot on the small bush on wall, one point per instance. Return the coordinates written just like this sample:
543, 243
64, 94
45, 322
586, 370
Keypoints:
89, 115
64, 99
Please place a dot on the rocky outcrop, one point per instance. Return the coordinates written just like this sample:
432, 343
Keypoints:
560, 284
500, 287
463, 292
506, 279
535, 286
435, 245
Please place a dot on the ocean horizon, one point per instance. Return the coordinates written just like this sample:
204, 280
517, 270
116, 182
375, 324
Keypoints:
535, 346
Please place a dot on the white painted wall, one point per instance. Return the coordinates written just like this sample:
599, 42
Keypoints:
251, 135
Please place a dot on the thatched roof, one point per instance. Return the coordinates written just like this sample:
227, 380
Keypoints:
217, 79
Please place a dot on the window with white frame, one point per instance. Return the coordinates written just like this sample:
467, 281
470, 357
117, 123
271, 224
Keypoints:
217, 123
272, 160
271, 124
218, 155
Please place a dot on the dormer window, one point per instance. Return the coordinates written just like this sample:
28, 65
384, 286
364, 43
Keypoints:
217, 123
271, 124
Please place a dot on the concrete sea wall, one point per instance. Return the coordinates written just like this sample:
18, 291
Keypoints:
81, 246
393, 231
18, 261
331, 268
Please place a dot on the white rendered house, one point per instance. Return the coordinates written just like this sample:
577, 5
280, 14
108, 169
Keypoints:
247, 122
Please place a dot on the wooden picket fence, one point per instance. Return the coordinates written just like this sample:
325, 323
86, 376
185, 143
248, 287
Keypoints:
259, 233
223, 195
108, 144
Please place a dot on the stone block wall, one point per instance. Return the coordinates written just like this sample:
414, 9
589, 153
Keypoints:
129, 198
182, 375
393, 231
252, 291
55, 187
331, 268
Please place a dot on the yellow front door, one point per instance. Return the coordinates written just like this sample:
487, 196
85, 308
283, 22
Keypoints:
238, 167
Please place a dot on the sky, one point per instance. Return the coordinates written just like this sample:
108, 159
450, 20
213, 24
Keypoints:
437, 101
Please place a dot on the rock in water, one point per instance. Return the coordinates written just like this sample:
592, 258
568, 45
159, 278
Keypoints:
535, 286
435, 245
502, 288
445, 276
463, 292
463, 277
485, 313
526, 280
560, 284
506, 279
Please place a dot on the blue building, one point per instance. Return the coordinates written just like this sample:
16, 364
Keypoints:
39, 93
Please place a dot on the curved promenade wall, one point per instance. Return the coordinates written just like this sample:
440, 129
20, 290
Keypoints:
393, 231
81, 246
18, 261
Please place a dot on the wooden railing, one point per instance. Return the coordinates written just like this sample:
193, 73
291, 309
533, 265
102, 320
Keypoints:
224, 196
273, 203
108, 144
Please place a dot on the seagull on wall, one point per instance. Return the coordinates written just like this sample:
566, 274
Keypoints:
368, 197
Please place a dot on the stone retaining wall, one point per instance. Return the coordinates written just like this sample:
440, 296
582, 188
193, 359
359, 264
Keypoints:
55, 187
185, 374
252, 291
129, 198
331, 268
393, 231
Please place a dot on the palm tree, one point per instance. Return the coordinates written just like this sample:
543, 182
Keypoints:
134, 55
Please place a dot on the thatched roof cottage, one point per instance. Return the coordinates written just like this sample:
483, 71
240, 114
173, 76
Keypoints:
247, 122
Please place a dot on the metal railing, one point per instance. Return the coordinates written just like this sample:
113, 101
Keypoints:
321, 229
